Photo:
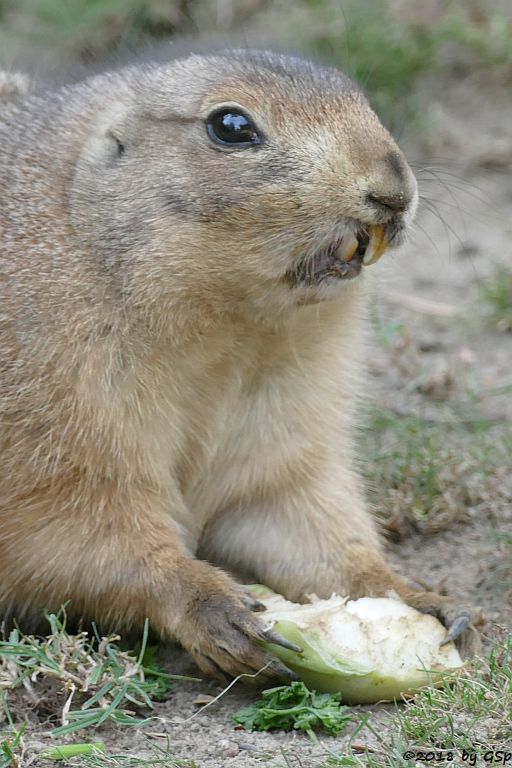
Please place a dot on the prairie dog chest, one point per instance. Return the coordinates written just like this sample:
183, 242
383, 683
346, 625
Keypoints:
228, 398
263, 403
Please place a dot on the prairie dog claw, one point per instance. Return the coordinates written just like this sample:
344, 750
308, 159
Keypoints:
252, 604
274, 637
457, 627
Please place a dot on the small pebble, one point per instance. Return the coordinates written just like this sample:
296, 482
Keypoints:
223, 744
247, 747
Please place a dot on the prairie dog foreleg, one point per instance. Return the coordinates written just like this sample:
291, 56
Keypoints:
118, 558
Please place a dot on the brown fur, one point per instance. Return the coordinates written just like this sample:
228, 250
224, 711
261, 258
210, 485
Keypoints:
169, 404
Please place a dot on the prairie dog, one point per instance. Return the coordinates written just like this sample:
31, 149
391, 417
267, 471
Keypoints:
180, 333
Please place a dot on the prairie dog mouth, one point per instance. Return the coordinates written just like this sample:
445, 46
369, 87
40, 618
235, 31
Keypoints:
344, 258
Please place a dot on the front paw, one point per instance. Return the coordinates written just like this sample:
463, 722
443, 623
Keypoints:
456, 615
221, 632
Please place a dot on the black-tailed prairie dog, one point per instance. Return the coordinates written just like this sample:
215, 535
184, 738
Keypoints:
184, 252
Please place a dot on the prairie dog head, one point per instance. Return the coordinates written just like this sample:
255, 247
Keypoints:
244, 177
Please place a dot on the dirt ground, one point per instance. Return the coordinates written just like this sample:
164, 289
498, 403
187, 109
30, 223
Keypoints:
430, 289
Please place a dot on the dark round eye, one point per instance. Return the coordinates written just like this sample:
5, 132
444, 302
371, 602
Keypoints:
230, 127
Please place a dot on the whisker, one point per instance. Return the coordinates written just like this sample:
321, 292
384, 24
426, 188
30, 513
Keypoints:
462, 184
431, 206
449, 190
465, 212
428, 236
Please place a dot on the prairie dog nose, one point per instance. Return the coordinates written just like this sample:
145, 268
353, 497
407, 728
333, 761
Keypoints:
393, 190
397, 203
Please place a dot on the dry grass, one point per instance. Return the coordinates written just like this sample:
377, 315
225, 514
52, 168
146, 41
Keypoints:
75, 680
424, 477
63, 683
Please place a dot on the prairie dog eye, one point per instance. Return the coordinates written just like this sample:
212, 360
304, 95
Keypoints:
229, 127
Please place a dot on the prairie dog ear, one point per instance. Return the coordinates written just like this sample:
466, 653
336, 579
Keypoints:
111, 136
13, 85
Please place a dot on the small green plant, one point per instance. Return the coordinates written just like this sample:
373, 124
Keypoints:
67, 751
85, 682
294, 707
158, 757
95, 756
11, 747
